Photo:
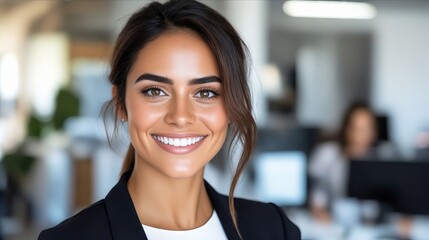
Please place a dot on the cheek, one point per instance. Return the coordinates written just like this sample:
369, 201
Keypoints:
351, 134
215, 118
140, 114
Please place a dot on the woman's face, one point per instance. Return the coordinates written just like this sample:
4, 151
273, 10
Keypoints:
175, 107
361, 132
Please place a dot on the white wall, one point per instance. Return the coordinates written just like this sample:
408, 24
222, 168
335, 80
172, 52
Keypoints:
249, 18
401, 68
317, 69
332, 70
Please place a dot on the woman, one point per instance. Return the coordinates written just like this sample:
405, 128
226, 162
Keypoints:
180, 82
329, 163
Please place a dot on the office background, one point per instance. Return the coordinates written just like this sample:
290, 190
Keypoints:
54, 56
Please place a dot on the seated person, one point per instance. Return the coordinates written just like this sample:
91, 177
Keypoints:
329, 162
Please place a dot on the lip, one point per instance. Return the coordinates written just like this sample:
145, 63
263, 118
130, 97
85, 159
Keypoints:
179, 149
178, 135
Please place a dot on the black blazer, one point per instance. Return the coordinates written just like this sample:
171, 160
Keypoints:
115, 218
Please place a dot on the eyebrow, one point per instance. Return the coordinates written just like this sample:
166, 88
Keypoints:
161, 79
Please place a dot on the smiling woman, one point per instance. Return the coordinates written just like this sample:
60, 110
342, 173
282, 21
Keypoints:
179, 79
177, 97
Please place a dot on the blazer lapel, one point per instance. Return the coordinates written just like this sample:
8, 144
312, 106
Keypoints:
124, 222
220, 204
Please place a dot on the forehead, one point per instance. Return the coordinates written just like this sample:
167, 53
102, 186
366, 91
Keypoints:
361, 115
176, 54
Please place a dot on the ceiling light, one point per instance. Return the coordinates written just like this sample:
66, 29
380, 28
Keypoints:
329, 9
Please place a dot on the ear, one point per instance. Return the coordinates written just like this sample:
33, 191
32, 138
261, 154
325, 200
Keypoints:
120, 110
114, 91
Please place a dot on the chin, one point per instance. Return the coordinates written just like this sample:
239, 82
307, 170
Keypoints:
181, 172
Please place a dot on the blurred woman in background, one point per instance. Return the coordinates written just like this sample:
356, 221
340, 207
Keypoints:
180, 86
329, 162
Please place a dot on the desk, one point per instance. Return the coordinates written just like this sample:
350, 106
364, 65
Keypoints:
312, 229
10, 226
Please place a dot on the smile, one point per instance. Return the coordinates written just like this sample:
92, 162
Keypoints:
178, 142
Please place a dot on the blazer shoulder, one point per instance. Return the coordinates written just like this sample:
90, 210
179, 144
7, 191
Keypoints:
265, 218
90, 223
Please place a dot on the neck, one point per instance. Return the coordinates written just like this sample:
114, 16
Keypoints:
168, 203
357, 151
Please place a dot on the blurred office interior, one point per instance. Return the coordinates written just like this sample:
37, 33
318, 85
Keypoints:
306, 71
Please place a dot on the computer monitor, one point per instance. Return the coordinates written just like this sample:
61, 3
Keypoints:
281, 178
403, 185
300, 139
383, 128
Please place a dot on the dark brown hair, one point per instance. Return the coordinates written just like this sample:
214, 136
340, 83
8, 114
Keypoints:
347, 119
228, 48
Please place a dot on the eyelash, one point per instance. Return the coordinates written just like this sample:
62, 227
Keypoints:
145, 91
211, 90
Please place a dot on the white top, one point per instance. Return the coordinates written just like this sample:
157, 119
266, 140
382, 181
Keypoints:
211, 230
328, 168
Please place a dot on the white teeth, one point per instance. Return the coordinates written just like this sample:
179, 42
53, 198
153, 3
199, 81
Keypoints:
178, 142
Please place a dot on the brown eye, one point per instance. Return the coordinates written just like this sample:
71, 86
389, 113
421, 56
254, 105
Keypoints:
154, 92
205, 94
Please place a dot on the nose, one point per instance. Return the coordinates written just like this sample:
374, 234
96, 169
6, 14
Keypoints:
181, 112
